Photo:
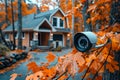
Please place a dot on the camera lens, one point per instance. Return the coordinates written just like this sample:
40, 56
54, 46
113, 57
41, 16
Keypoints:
81, 42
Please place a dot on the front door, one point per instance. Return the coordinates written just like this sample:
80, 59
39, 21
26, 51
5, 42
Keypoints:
43, 38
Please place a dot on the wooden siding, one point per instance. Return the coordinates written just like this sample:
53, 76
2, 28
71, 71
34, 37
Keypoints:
59, 14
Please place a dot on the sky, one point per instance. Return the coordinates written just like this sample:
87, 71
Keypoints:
34, 1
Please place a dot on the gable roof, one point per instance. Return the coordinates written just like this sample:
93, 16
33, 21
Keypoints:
30, 22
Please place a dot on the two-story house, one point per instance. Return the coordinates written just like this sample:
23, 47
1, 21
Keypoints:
43, 29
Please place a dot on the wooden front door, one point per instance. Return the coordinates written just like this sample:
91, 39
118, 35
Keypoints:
43, 38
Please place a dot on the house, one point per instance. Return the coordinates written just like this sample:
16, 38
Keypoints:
43, 29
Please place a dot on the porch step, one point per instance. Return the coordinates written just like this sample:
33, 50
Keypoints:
44, 47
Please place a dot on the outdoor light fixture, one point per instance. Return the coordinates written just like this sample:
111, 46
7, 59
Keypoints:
84, 41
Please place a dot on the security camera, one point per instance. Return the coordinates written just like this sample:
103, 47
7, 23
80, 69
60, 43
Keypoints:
84, 41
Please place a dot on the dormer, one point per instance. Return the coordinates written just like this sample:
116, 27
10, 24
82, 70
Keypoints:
58, 20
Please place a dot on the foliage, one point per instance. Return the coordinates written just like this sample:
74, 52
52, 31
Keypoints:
25, 11
77, 62
93, 62
3, 50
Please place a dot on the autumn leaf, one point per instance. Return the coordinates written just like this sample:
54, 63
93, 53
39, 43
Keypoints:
33, 66
115, 43
115, 64
74, 51
91, 7
82, 1
87, 75
89, 79
110, 68
98, 78
13, 76
50, 57
63, 77
79, 58
82, 68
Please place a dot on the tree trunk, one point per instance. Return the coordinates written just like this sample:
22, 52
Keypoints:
19, 25
115, 12
114, 18
87, 27
14, 42
6, 11
2, 36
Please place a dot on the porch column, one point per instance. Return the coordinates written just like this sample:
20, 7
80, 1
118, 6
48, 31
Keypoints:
51, 40
35, 36
34, 42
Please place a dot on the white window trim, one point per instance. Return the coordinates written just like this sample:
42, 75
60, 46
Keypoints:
7, 38
22, 35
63, 23
16, 37
58, 22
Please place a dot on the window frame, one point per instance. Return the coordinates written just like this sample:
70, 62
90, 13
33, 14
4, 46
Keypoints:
58, 22
7, 36
23, 35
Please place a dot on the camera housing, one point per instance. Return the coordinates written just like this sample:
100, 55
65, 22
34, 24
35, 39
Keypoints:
84, 41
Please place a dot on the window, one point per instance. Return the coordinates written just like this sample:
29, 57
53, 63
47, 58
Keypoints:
54, 21
57, 37
23, 35
6, 36
16, 35
61, 23
58, 22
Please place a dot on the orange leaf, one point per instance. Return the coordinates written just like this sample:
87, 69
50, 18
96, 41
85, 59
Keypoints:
91, 7
50, 57
89, 79
87, 75
82, 1
63, 77
79, 59
98, 78
82, 68
116, 67
33, 66
110, 68
13, 76
74, 51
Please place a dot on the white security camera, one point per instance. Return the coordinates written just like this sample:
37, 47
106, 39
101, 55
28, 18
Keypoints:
84, 41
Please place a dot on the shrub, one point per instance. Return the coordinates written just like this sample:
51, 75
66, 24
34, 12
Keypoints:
59, 48
3, 50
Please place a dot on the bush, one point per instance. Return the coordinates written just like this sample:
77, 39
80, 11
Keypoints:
59, 48
3, 50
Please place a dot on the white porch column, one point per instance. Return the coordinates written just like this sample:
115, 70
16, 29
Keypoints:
51, 36
35, 36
